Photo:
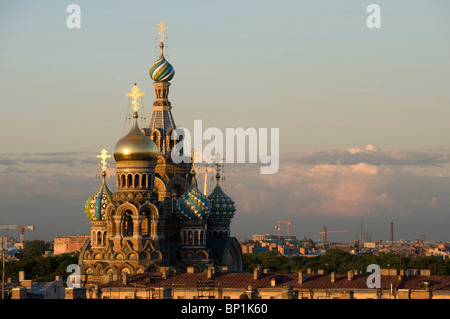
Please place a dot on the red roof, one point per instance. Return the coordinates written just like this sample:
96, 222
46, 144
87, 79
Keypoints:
243, 280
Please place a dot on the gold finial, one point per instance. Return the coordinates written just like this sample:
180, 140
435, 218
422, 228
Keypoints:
135, 95
218, 159
103, 156
193, 159
161, 28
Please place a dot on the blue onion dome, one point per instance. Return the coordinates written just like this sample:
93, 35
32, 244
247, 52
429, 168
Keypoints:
161, 70
193, 204
135, 146
96, 204
222, 206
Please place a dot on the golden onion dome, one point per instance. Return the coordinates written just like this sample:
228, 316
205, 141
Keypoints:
135, 146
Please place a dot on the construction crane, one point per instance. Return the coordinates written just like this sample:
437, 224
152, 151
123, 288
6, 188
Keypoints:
21, 227
288, 226
325, 232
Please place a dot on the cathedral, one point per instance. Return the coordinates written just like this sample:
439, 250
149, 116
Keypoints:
158, 220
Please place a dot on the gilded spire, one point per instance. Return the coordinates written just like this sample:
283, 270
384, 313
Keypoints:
193, 159
218, 159
161, 28
103, 155
135, 95
217, 170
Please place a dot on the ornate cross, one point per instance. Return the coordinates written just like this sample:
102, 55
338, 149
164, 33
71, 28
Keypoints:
103, 156
161, 28
135, 95
217, 160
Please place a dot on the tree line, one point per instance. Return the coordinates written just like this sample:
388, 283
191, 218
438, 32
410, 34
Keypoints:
340, 262
45, 268
37, 266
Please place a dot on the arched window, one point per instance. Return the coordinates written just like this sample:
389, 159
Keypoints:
129, 180
144, 180
145, 226
190, 239
196, 237
122, 180
155, 139
136, 181
127, 224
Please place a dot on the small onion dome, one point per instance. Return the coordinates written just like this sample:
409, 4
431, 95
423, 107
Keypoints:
193, 204
96, 204
161, 70
222, 206
135, 146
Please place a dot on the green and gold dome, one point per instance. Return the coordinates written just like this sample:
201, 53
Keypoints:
96, 204
161, 70
193, 204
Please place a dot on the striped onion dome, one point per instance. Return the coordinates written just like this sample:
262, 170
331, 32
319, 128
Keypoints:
161, 70
96, 204
193, 204
222, 206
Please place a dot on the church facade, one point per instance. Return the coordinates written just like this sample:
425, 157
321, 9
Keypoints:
158, 220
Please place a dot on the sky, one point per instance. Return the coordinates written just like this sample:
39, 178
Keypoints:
362, 113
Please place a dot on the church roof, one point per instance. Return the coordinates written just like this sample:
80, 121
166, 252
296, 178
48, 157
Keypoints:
161, 70
222, 206
193, 204
135, 146
96, 204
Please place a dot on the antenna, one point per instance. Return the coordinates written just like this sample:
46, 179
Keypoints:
361, 230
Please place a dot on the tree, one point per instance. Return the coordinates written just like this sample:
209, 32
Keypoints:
33, 248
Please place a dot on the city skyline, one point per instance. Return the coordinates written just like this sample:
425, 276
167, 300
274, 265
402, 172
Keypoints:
361, 112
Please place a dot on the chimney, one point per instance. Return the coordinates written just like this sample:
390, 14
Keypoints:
257, 273
320, 271
301, 277
210, 272
308, 271
350, 275
333, 277
425, 272
273, 282
190, 270
21, 276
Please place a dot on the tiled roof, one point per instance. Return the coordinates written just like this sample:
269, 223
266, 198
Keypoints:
435, 282
312, 281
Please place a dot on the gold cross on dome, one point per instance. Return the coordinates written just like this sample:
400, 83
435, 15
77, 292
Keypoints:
161, 28
135, 95
218, 159
193, 158
103, 156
